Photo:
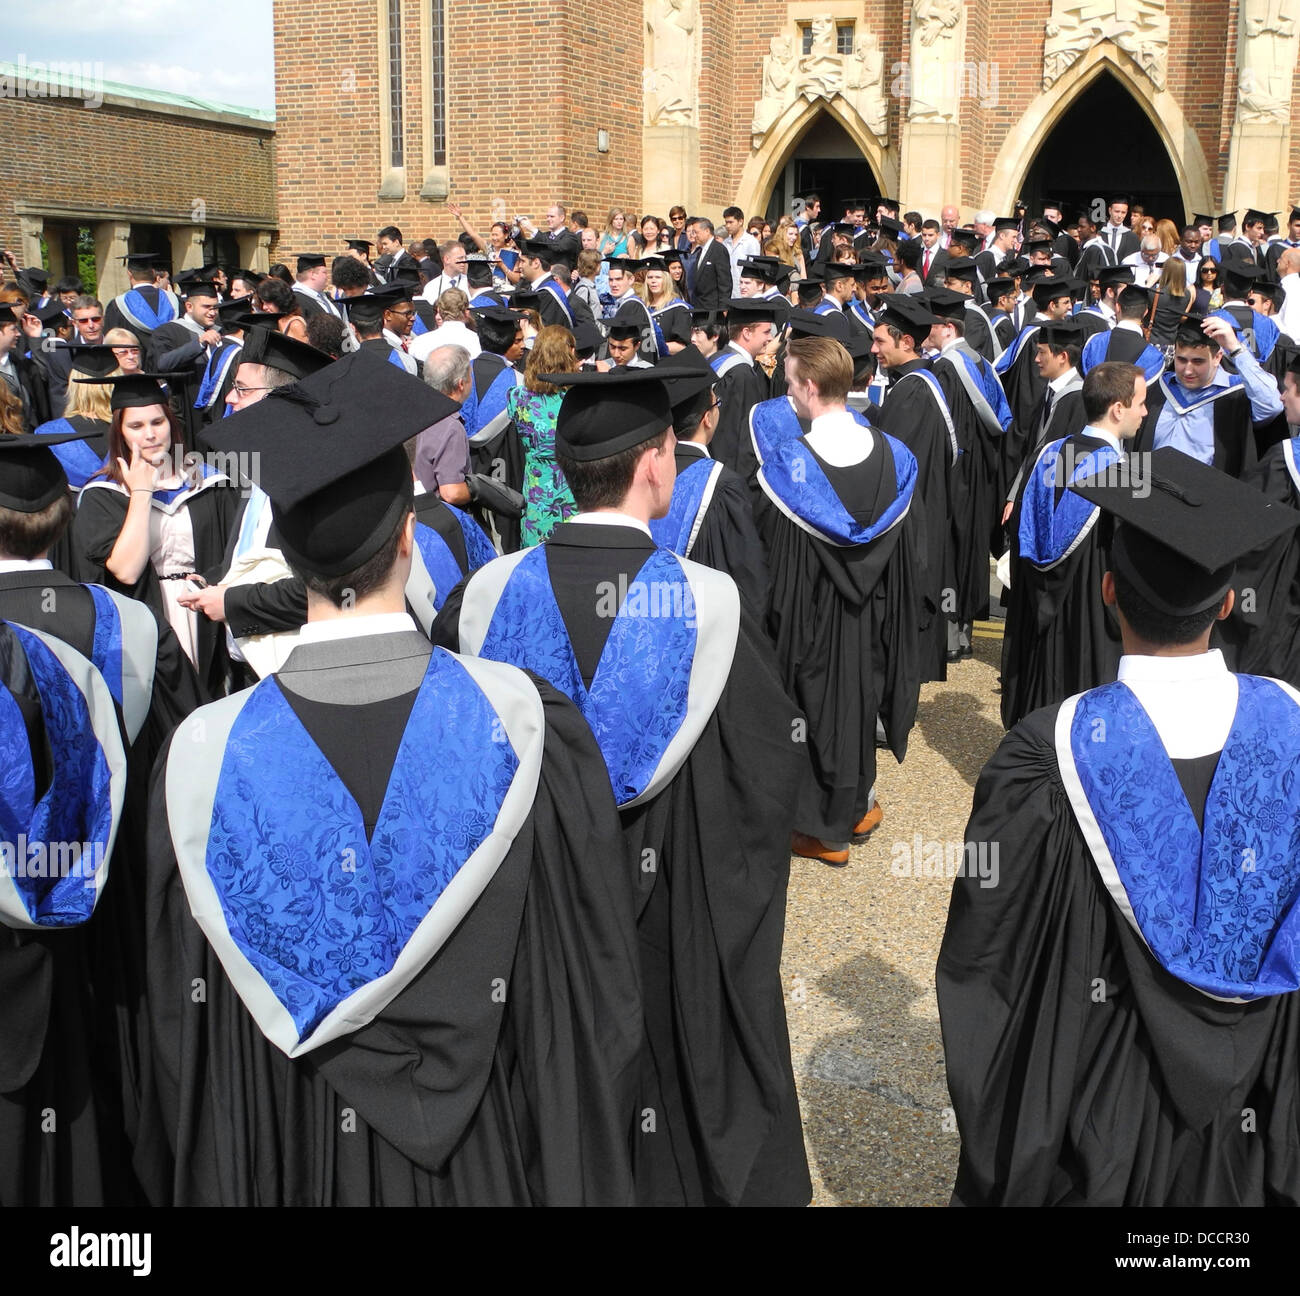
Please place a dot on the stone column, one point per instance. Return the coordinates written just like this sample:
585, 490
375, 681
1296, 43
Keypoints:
670, 134
930, 150
187, 248
254, 250
30, 229
112, 243
1268, 34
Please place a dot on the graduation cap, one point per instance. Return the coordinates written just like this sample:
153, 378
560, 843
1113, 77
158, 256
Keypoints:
231, 313
1182, 531
526, 301
95, 360
35, 275
497, 314
200, 288
603, 414
52, 312
766, 269
587, 338
843, 227
1252, 215
268, 346
1048, 290
1227, 223
310, 260
1115, 276
1059, 334
1200, 218
1015, 266
908, 314
359, 245
1130, 292
547, 252
858, 346
833, 270
1295, 215
946, 303
806, 323
337, 476
627, 326
1038, 245
689, 381
655, 263
139, 260
1006, 223
963, 268
9, 314
133, 391
854, 204
31, 476
891, 203
890, 225
248, 276
1049, 225
1244, 273
965, 236
1055, 204
744, 311
703, 319
999, 287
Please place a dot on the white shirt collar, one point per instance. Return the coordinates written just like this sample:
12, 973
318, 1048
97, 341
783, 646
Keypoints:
355, 627
8, 565
1101, 434
1059, 383
695, 447
742, 353
1191, 700
1131, 325
840, 439
611, 517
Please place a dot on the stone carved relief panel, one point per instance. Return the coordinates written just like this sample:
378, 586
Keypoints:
671, 80
1138, 27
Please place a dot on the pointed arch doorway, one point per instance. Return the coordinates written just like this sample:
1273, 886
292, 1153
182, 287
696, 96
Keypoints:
1104, 143
825, 161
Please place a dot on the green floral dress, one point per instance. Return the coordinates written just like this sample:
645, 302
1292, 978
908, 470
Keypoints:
548, 499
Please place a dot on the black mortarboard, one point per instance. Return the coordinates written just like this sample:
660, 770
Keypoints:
967, 237
497, 314
248, 276
310, 260
1246, 271
231, 312
871, 265
833, 270
1227, 222
1015, 266
890, 225
1200, 218
1049, 225
998, 287
1006, 223
907, 313
843, 227
1182, 527
1054, 204
9, 314
671, 255
268, 346
603, 414
766, 269
31, 476
546, 252
688, 379
805, 323
627, 326
744, 311
359, 245
1295, 215
891, 203
337, 476
655, 263
963, 268
946, 303
1048, 290
526, 301
853, 204
701, 319
629, 265
200, 288
1253, 214
95, 360
1115, 276
1061, 333
1129, 293
587, 338
52, 313
133, 391
1038, 245
139, 259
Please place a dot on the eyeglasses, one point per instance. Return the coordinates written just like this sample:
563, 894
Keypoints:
241, 391
87, 319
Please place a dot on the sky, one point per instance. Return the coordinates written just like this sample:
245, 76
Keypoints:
218, 49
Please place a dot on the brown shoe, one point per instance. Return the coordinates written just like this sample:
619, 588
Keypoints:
867, 824
812, 848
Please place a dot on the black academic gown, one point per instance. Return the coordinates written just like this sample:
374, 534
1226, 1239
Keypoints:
843, 619
1081, 1072
444, 1098
1060, 639
728, 540
910, 414
115, 940
720, 1117
98, 523
738, 390
115, 317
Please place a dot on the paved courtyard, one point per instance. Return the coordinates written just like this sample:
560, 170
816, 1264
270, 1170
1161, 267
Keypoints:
860, 950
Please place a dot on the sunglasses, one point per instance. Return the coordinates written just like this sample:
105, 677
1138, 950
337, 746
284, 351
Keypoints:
87, 319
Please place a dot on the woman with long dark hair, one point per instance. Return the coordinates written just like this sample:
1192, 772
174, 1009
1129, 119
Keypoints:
1209, 289
147, 524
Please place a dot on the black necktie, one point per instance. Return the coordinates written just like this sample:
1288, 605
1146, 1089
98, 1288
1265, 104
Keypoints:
1046, 415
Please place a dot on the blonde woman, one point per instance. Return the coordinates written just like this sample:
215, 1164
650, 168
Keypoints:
614, 242
785, 246
88, 408
126, 347
669, 312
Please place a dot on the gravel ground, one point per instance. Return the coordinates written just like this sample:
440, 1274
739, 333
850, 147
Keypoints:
860, 949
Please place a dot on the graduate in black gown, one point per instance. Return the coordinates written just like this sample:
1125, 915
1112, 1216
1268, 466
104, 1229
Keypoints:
704, 752
65, 776
153, 687
741, 383
833, 510
711, 519
1060, 637
175, 516
394, 874
916, 411
1117, 981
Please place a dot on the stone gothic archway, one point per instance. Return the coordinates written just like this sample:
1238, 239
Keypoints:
766, 164
1021, 148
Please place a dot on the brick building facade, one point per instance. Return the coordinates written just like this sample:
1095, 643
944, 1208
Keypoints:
139, 169
394, 105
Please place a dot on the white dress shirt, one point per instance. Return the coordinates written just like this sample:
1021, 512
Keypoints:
1191, 700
